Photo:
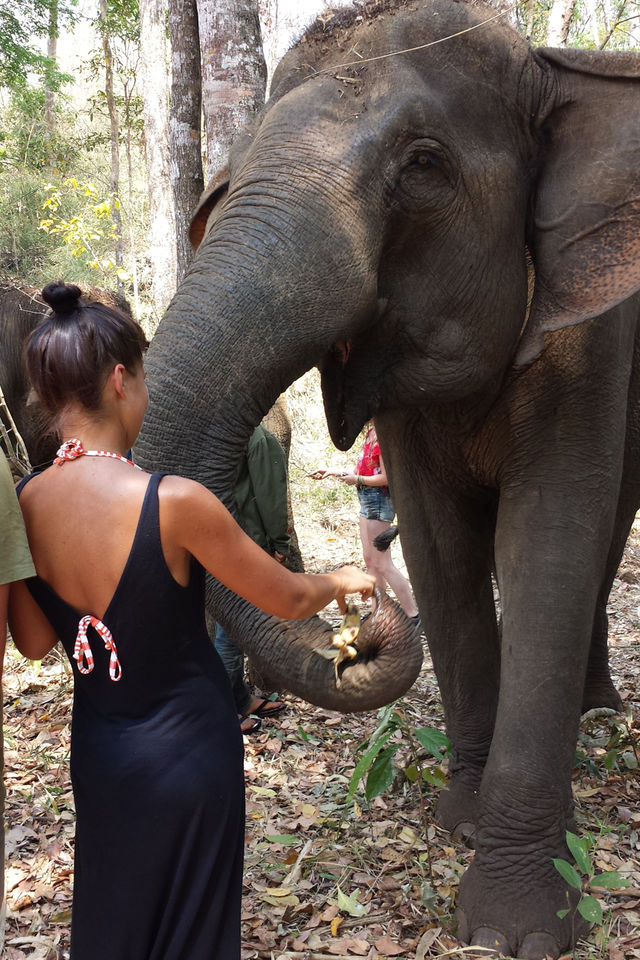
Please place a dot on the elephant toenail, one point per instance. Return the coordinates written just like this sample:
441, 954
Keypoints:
490, 939
539, 946
465, 831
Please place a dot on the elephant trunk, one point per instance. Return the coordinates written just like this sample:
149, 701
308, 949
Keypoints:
291, 653
234, 305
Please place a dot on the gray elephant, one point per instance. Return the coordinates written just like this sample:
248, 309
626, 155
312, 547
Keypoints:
447, 223
21, 309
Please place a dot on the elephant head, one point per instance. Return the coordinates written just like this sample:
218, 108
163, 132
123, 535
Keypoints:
375, 222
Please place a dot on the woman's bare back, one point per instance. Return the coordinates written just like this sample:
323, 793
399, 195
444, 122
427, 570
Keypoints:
81, 520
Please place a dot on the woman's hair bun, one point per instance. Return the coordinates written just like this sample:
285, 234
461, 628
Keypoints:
63, 298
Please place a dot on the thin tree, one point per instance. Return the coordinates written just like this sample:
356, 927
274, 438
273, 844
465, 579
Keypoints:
52, 52
155, 92
185, 120
114, 174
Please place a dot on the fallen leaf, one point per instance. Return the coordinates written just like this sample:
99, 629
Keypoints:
388, 947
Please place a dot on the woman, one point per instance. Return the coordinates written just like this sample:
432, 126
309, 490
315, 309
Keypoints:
376, 515
156, 746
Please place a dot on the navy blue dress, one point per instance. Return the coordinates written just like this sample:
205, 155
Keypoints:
156, 767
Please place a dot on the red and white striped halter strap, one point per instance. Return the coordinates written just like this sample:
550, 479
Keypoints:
71, 450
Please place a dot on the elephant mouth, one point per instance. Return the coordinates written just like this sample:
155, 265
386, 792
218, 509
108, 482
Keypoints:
346, 411
356, 374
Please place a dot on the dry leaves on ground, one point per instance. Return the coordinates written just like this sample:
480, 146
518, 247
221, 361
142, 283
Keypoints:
323, 879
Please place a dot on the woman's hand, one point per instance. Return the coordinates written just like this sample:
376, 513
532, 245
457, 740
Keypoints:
349, 478
353, 580
323, 474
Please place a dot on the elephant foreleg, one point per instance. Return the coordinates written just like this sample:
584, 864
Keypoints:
511, 893
456, 561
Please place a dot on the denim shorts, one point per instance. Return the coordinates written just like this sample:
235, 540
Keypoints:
375, 505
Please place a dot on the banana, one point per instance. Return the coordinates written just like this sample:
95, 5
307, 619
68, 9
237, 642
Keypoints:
343, 643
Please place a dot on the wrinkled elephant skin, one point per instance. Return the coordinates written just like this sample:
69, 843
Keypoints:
453, 235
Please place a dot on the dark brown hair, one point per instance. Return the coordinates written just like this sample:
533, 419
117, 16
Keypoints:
71, 353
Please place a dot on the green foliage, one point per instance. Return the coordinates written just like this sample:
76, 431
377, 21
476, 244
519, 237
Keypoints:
55, 198
583, 877
26, 142
593, 25
20, 22
23, 248
376, 766
82, 219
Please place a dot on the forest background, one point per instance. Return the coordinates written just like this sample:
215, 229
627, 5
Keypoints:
115, 113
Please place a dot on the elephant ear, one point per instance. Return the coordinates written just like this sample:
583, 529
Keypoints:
215, 192
585, 232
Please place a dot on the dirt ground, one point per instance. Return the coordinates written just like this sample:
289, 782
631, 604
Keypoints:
325, 878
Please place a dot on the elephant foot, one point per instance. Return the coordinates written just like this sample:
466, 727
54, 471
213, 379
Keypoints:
601, 693
535, 946
456, 811
517, 919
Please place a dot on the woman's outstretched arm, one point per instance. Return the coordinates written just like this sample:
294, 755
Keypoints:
194, 519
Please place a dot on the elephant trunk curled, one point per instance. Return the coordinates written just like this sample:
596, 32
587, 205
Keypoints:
202, 412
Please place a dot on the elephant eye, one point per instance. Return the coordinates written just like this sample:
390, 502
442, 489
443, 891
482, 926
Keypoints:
425, 178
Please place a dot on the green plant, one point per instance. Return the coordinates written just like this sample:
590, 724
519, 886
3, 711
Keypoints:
583, 877
376, 764
86, 230
615, 745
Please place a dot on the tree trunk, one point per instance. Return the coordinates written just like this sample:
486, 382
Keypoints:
155, 92
559, 22
233, 72
114, 175
133, 251
52, 52
282, 22
187, 179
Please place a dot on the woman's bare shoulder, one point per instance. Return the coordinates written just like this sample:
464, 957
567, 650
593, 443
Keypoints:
179, 494
178, 488
31, 490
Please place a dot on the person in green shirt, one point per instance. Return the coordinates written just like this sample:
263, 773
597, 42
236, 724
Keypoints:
15, 564
261, 498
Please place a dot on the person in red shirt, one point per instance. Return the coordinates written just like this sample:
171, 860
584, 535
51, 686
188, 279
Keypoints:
376, 515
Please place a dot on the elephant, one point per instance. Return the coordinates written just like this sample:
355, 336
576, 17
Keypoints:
21, 309
447, 223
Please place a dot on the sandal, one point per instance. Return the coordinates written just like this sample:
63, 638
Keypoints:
268, 708
249, 724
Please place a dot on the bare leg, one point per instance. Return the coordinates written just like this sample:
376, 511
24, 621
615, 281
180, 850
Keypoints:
382, 567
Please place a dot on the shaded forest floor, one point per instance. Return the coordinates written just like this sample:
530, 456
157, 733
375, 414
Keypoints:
306, 846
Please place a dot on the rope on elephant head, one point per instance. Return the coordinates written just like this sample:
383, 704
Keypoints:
397, 53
